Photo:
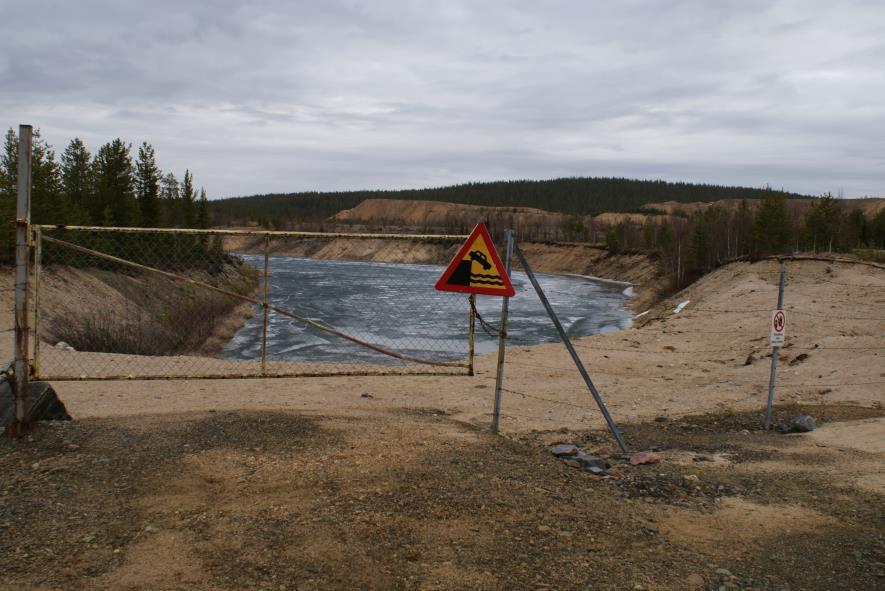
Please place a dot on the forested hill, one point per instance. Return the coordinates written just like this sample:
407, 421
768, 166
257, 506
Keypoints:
579, 196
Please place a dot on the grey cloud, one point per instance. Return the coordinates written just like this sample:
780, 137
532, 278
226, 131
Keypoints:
281, 96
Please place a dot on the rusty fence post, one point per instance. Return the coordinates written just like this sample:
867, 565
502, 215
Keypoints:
38, 256
22, 260
471, 339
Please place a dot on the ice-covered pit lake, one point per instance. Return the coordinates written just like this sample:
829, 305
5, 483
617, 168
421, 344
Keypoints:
397, 307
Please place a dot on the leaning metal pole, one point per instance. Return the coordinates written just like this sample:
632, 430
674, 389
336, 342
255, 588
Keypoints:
502, 336
22, 259
568, 345
775, 351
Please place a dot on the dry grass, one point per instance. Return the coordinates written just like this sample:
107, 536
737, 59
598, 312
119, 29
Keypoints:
181, 327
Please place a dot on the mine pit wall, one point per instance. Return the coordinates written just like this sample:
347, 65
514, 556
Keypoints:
80, 296
579, 259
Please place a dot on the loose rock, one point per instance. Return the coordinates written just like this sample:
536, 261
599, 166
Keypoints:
644, 457
564, 449
800, 424
588, 461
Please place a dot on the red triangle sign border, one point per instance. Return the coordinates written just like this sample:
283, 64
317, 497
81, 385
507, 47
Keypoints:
479, 231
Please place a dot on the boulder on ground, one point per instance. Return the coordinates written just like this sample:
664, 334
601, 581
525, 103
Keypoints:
43, 404
800, 424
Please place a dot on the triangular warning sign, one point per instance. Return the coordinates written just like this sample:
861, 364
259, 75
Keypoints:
477, 268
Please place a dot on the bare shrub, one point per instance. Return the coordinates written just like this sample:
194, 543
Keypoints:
181, 328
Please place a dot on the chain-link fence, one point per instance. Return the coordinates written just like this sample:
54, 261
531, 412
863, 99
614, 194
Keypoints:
125, 303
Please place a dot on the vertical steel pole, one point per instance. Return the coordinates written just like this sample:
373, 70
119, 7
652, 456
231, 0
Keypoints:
502, 336
568, 345
22, 259
265, 305
774, 353
472, 337
38, 266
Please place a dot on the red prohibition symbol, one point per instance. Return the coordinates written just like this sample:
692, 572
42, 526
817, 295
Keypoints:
779, 321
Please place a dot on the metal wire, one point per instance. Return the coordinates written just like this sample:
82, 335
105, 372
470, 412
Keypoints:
125, 304
488, 328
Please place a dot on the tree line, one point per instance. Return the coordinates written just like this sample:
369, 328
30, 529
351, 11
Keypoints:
107, 188
693, 245
579, 196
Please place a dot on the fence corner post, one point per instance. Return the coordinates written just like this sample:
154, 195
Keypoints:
21, 365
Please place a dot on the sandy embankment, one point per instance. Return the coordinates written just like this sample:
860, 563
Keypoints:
124, 300
691, 362
580, 259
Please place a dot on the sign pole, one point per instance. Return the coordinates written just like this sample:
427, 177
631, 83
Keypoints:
571, 349
502, 336
774, 353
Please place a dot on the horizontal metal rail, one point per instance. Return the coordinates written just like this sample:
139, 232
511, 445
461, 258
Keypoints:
241, 376
252, 300
269, 233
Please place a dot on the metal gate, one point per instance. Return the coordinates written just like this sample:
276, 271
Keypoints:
147, 303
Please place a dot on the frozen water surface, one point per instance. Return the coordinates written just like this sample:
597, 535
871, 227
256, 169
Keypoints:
396, 307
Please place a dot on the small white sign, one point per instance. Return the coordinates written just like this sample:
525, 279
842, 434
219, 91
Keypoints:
778, 328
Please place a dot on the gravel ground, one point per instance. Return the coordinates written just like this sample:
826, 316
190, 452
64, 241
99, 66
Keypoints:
418, 500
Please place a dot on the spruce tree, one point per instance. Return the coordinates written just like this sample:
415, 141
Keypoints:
114, 189
47, 198
203, 210
822, 222
8, 190
169, 198
188, 201
771, 227
76, 182
147, 184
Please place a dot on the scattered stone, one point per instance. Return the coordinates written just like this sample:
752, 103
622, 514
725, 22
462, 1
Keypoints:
744, 432
723, 572
695, 581
750, 359
366, 395
564, 450
543, 528
573, 464
661, 419
644, 457
588, 461
800, 424
595, 470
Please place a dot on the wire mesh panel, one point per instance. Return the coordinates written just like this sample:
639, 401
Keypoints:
135, 303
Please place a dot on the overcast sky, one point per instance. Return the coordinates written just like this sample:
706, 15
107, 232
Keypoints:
284, 96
